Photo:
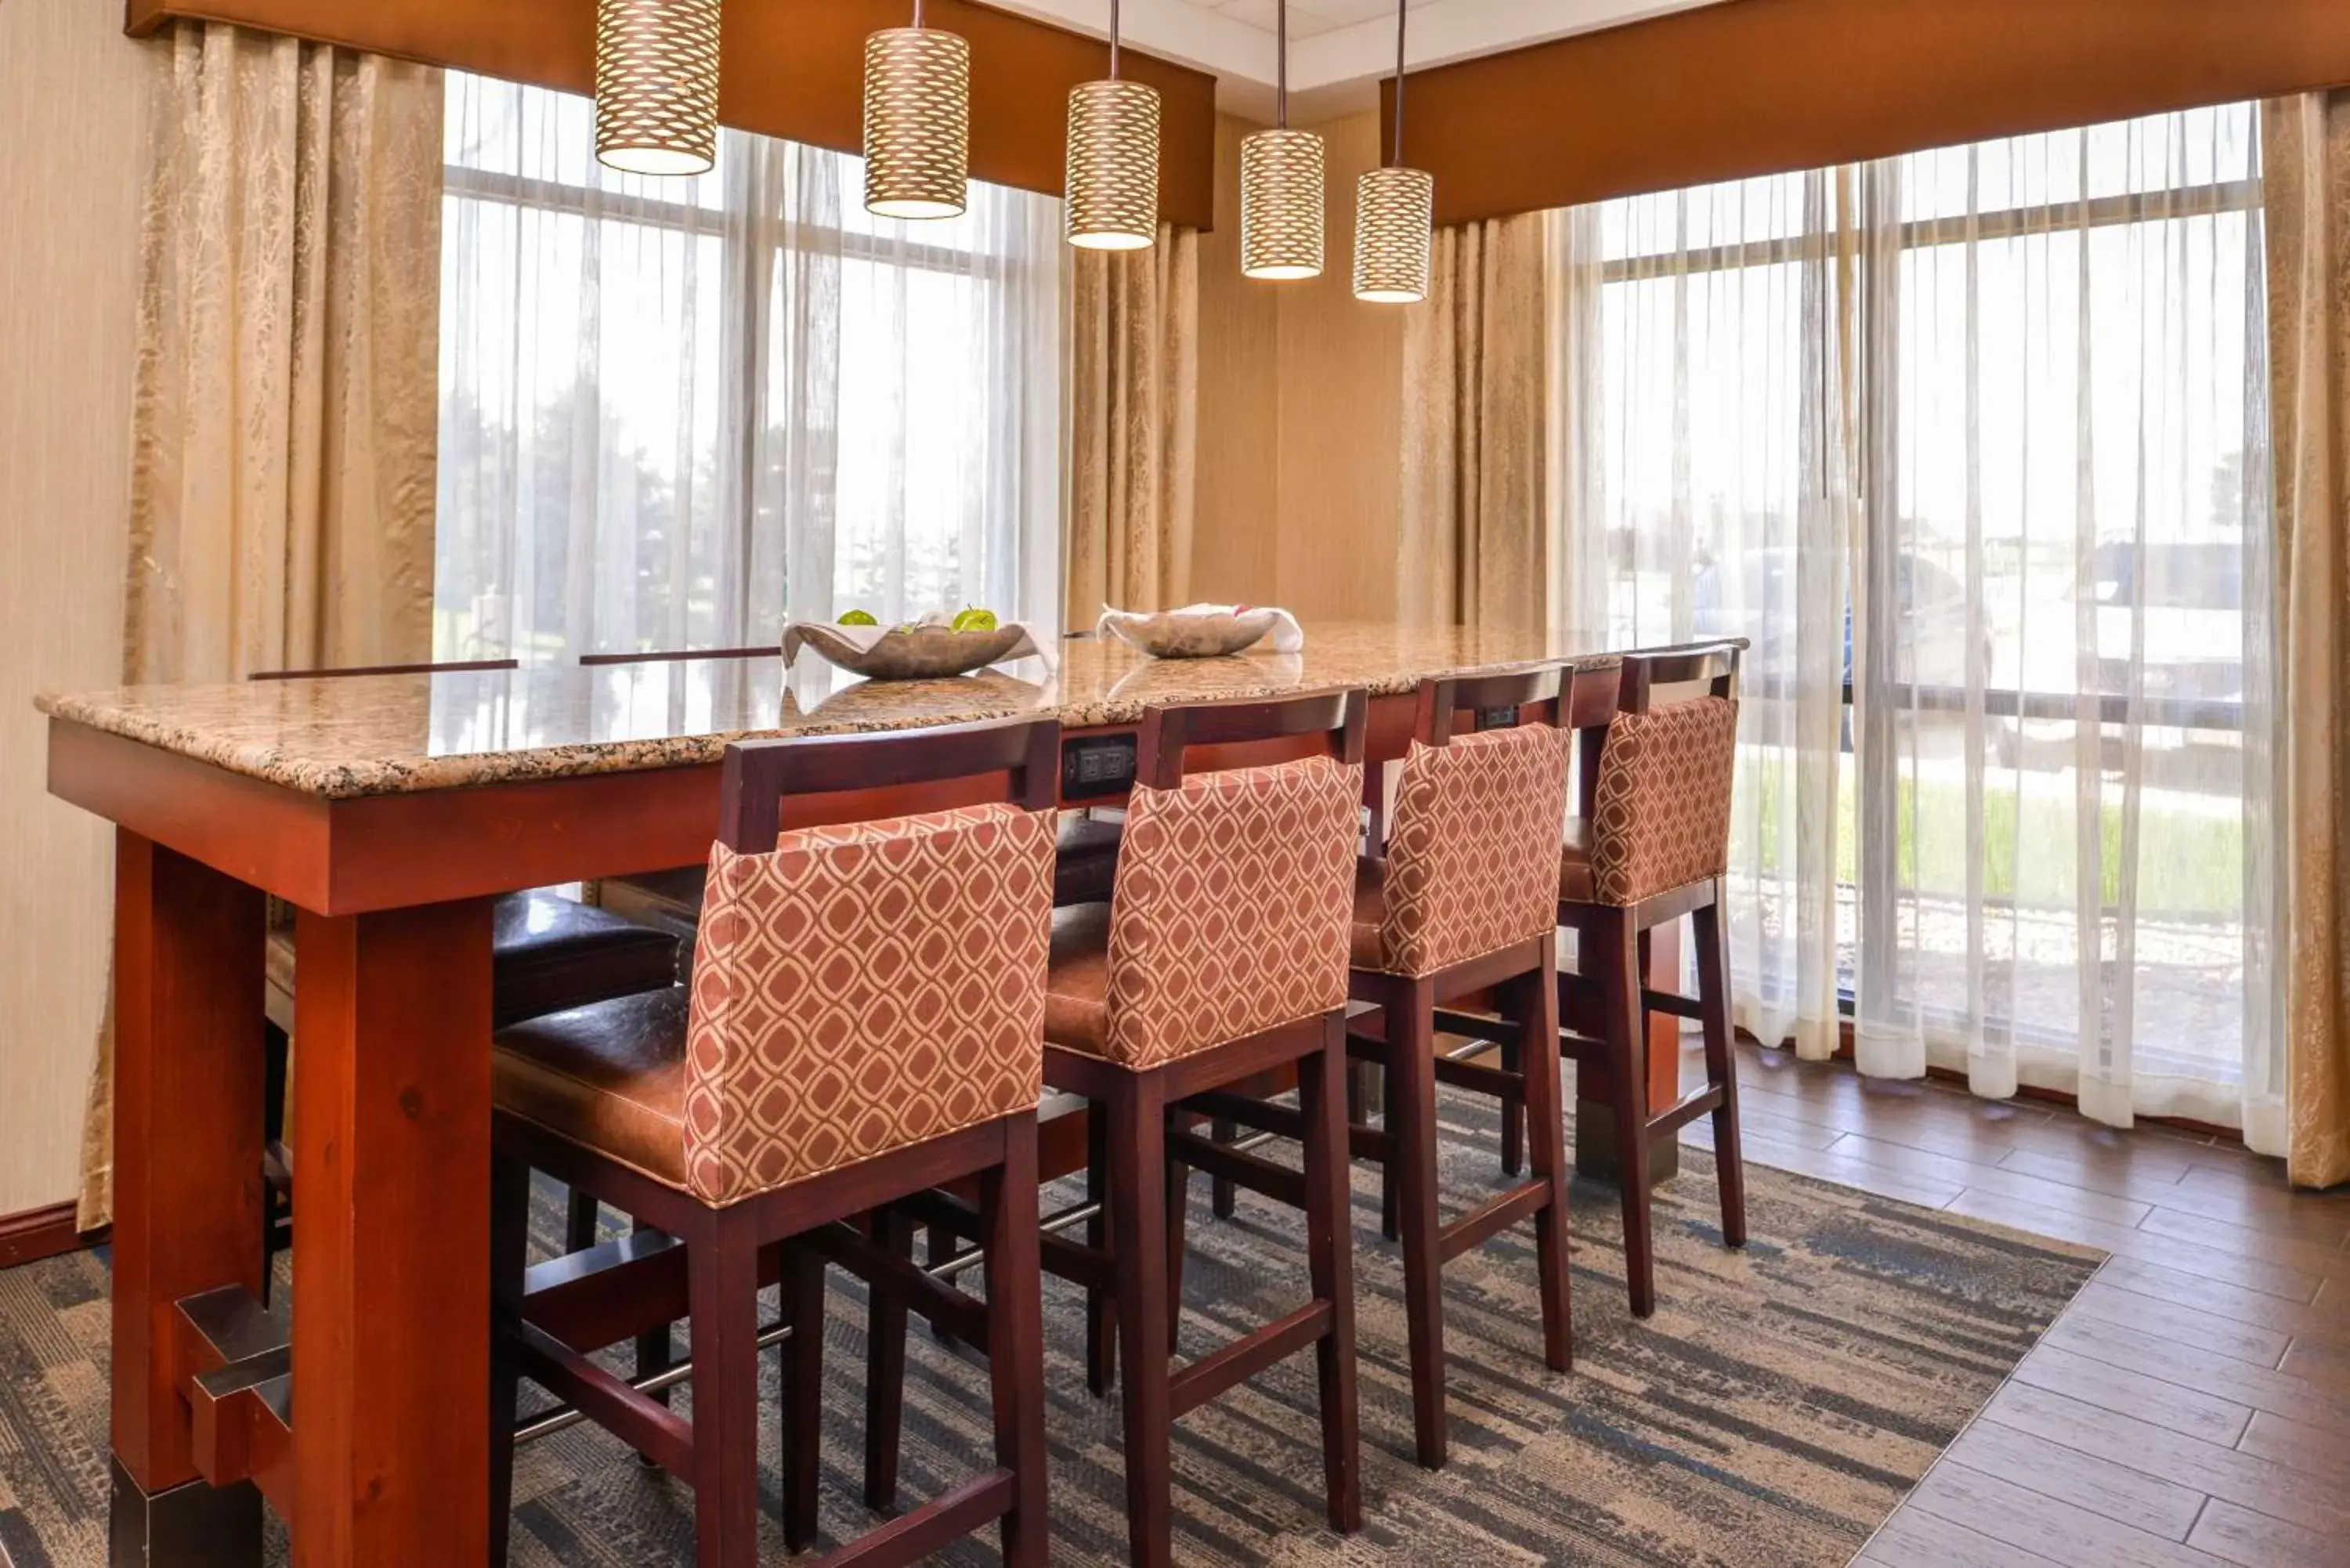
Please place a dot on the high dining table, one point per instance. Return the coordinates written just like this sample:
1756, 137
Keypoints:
390, 811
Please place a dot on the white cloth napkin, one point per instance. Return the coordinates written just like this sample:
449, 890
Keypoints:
1287, 636
1033, 644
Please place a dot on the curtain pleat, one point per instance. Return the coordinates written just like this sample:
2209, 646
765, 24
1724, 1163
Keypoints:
282, 442
288, 397
1133, 434
1708, 482
1474, 541
2307, 154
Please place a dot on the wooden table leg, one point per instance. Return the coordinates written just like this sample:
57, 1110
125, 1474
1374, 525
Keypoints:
187, 1183
1594, 1131
391, 1167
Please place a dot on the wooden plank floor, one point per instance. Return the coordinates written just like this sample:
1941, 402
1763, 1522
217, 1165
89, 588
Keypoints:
2190, 1410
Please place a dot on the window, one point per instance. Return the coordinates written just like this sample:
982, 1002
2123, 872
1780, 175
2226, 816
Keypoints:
675, 412
1971, 444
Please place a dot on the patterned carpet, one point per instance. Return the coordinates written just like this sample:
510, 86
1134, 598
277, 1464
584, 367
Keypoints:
1770, 1416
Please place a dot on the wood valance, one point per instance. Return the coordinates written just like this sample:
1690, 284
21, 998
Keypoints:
791, 69
1758, 87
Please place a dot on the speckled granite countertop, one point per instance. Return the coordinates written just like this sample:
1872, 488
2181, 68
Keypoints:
388, 734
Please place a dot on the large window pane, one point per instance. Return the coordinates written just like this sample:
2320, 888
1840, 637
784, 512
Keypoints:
1978, 434
676, 412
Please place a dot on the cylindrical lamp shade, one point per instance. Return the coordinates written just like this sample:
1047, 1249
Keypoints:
657, 86
1112, 199
1281, 204
1394, 211
917, 123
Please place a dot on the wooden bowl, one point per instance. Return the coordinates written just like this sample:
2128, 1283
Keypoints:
926, 654
1168, 636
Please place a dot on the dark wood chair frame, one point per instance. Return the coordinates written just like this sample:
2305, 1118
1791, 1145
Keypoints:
677, 656
1605, 1003
791, 1233
1398, 1040
1140, 1148
450, 667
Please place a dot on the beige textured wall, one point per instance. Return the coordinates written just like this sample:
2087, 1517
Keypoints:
1300, 413
70, 118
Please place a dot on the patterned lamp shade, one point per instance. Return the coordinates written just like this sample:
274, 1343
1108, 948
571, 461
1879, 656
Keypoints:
917, 123
1394, 212
1113, 179
657, 86
1281, 204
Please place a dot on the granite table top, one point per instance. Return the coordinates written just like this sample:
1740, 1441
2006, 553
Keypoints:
387, 734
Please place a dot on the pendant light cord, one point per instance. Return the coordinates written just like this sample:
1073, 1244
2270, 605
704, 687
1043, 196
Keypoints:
1402, 10
1113, 40
917, 13
1281, 64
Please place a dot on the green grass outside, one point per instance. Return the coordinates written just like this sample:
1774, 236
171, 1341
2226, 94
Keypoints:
2190, 864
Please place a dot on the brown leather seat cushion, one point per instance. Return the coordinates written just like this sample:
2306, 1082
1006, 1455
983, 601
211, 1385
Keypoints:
1076, 990
609, 1078
660, 896
551, 953
547, 953
1576, 882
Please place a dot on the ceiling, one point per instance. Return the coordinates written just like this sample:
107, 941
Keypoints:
1338, 49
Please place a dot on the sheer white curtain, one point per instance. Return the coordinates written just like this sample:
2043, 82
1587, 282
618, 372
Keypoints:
2066, 838
1982, 432
1706, 490
676, 411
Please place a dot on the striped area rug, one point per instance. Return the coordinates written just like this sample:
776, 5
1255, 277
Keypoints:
1770, 1416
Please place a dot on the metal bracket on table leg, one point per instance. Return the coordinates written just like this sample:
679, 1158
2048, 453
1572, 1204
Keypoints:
239, 1390
191, 1526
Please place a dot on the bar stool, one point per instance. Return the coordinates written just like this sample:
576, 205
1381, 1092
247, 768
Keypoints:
1085, 860
1652, 846
866, 1021
1460, 904
1219, 957
547, 953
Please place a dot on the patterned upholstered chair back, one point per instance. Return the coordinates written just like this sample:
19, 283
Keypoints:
1230, 909
1659, 804
1472, 849
863, 986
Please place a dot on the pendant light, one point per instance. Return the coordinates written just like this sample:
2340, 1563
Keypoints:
1281, 185
917, 121
657, 86
1112, 199
1395, 208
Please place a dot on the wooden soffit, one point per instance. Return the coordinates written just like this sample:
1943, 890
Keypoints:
790, 68
1759, 86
